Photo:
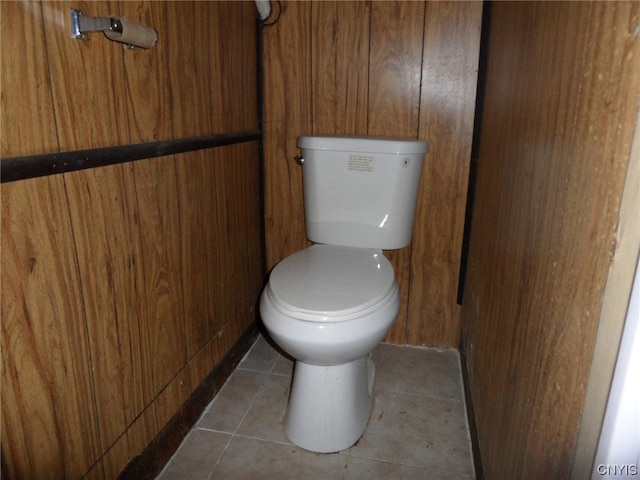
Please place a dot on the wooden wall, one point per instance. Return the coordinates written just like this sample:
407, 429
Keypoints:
404, 69
122, 286
560, 110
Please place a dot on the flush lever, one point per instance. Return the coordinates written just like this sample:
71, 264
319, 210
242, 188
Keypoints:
299, 160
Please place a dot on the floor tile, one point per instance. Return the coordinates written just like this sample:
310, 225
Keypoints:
265, 418
261, 358
418, 371
248, 458
283, 366
231, 404
366, 469
197, 456
417, 429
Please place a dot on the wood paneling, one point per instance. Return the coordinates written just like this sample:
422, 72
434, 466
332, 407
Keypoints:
560, 110
26, 108
395, 62
90, 103
187, 56
287, 100
195, 172
146, 80
229, 65
239, 255
48, 406
614, 313
449, 77
404, 69
157, 195
102, 204
339, 96
122, 286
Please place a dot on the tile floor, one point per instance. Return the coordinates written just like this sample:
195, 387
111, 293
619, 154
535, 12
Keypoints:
417, 430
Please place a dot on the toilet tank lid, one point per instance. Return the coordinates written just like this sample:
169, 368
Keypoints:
339, 143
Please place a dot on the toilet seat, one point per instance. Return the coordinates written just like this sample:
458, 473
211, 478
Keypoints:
327, 283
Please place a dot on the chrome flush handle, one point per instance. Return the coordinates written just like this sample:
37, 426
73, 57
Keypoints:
299, 160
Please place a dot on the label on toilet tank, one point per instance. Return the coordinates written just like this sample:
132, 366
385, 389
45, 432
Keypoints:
361, 163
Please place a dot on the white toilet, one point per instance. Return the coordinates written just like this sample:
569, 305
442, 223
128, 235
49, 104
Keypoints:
330, 305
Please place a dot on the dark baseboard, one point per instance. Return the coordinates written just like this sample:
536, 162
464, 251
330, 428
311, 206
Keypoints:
151, 461
473, 432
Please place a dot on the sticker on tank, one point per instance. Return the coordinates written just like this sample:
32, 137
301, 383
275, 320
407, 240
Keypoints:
361, 163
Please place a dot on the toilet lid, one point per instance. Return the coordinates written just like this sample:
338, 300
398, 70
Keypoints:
328, 280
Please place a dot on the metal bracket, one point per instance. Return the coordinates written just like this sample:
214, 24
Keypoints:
114, 28
80, 24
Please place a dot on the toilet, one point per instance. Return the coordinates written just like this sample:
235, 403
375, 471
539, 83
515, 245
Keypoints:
329, 305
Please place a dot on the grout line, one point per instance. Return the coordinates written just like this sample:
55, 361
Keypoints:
266, 373
421, 348
213, 430
266, 440
226, 447
421, 395
445, 473
234, 433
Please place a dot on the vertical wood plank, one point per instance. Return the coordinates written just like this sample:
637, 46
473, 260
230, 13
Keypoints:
146, 72
158, 195
287, 92
145, 84
113, 335
606, 120
89, 104
340, 67
194, 170
233, 271
395, 59
187, 50
47, 392
161, 244
394, 100
26, 108
449, 78
234, 98
614, 313
564, 92
195, 177
514, 228
103, 210
236, 258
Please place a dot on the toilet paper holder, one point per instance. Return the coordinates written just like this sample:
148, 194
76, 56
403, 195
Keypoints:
114, 28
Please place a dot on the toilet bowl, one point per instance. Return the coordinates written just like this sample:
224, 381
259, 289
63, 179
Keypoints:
329, 307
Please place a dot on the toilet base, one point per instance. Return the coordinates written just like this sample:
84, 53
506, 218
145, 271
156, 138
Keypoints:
329, 406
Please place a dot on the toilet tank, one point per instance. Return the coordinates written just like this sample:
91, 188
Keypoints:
361, 191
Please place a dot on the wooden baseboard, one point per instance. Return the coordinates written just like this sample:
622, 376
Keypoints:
473, 433
150, 462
